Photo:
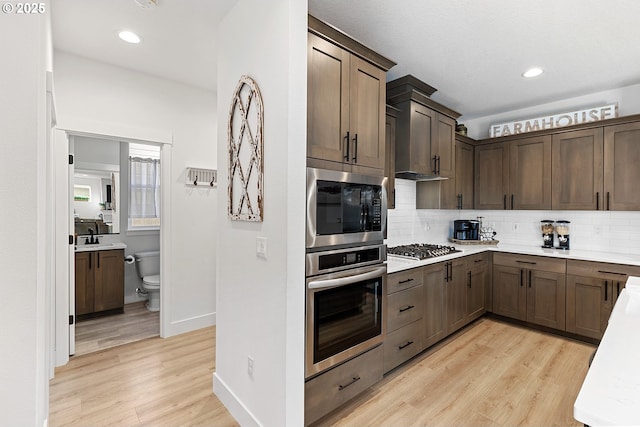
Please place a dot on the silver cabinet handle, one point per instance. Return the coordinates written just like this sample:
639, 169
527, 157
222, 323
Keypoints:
341, 281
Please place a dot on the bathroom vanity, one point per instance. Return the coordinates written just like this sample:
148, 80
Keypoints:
99, 280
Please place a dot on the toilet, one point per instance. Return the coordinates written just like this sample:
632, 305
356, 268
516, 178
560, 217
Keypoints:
148, 267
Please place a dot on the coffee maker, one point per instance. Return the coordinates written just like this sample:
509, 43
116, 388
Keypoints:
466, 229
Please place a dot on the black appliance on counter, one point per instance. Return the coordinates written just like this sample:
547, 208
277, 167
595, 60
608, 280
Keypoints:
466, 229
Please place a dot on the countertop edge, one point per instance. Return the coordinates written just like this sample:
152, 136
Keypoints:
395, 265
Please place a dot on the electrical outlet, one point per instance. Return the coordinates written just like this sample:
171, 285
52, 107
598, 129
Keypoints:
597, 229
250, 363
516, 226
261, 247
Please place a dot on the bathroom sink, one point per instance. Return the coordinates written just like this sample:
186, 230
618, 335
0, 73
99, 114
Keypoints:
81, 247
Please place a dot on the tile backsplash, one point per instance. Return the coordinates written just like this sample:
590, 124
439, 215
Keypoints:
589, 230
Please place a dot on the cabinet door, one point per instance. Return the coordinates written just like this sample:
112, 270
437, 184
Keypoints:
390, 165
589, 305
109, 282
85, 267
443, 145
492, 176
367, 97
328, 71
546, 298
464, 174
476, 288
456, 295
434, 318
530, 173
577, 170
509, 293
422, 125
621, 171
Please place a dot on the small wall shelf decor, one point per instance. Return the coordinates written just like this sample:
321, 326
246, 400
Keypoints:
245, 141
196, 177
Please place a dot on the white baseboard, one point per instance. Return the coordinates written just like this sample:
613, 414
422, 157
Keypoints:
188, 325
134, 297
237, 409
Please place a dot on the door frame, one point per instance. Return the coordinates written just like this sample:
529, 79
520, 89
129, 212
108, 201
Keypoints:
64, 260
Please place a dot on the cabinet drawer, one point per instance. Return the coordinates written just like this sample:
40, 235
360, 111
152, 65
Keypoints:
402, 345
331, 389
601, 270
541, 263
404, 307
478, 260
403, 280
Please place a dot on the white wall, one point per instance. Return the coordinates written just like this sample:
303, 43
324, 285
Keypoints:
24, 333
261, 301
628, 99
589, 230
95, 92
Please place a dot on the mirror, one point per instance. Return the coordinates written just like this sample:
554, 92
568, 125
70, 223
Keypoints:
96, 195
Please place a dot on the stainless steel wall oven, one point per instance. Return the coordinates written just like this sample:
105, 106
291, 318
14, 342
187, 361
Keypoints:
344, 304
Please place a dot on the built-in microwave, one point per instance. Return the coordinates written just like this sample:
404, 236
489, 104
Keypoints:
345, 208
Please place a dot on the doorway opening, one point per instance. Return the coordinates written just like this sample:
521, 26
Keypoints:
119, 216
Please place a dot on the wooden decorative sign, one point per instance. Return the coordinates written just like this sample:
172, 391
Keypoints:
554, 121
245, 152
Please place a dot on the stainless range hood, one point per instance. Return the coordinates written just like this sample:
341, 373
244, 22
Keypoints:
415, 176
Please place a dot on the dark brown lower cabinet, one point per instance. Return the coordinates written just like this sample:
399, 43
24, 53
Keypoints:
99, 279
530, 288
589, 305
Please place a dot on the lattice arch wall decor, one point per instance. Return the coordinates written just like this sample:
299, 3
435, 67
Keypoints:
245, 152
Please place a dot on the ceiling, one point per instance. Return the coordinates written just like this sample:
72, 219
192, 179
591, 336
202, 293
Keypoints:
473, 52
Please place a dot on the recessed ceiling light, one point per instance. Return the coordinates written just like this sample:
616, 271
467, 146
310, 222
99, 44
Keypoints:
129, 37
533, 72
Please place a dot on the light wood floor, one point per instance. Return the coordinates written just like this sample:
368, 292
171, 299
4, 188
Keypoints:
154, 382
490, 374
136, 323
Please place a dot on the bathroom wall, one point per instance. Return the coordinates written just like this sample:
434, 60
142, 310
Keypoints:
603, 230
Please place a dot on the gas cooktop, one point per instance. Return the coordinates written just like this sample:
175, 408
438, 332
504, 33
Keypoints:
420, 251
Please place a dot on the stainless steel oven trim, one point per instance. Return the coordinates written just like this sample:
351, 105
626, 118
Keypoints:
312, 268
315, 241
336, 280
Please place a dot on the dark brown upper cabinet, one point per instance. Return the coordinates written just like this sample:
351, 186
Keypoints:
345, 102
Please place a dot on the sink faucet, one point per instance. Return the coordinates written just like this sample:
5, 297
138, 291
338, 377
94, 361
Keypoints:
91, 241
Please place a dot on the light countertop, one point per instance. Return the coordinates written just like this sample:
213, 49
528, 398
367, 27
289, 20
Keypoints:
101, 247
395, 264
610, 394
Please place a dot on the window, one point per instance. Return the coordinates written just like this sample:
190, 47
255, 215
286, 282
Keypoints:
144, 187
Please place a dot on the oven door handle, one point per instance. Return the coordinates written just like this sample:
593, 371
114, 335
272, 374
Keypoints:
341, 281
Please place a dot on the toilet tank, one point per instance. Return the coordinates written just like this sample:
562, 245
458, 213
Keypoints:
148, 263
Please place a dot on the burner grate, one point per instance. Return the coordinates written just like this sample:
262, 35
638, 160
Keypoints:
420, 251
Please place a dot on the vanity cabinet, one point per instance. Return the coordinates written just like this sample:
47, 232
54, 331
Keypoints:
405, 308
592, 291
530, 288
345, 102
99, 281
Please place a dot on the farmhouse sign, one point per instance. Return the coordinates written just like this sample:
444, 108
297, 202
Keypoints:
554, 121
